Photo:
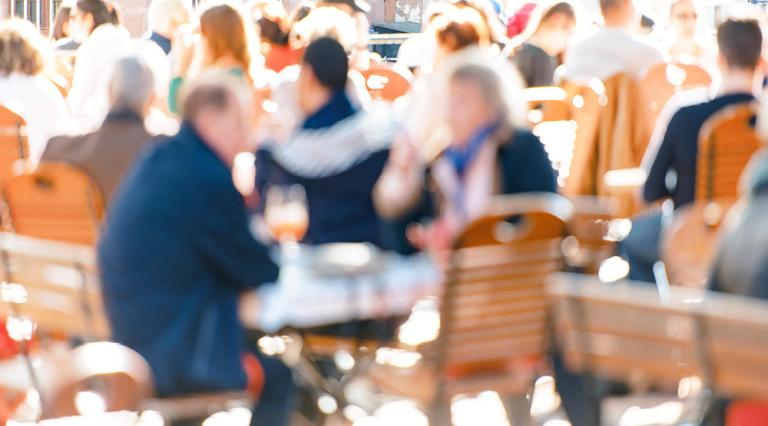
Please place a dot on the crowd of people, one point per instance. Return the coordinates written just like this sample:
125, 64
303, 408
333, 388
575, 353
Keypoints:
162, 122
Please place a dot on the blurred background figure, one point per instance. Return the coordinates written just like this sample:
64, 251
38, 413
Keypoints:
225, 40
684, 40
23, 86
336, 155
614, 48
536, 52
107, 154
274, 29
164, 18
61, 34
96, 25
490, 152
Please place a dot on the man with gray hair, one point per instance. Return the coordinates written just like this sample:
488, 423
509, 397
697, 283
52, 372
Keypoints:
106, 154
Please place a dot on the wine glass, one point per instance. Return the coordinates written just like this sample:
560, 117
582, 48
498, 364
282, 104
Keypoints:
286, 213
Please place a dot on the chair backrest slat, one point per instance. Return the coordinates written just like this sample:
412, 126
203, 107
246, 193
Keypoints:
14, 145
55, 202
494, 308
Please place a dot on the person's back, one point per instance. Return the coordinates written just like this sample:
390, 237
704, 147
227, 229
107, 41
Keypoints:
613, 49
740, 42
177, 251
107, 154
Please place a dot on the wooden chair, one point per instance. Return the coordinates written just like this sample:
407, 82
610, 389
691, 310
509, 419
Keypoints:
14, 145
63, 297
635, 333
56, 202
617, 140
726, 145
547, 104
589, 242
387, 82
61, 282
664, 80
494, 308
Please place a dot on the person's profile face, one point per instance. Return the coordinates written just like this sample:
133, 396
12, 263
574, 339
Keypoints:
81, 24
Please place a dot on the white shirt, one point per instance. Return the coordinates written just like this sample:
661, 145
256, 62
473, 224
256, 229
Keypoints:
93, 67
608, 52
39, 103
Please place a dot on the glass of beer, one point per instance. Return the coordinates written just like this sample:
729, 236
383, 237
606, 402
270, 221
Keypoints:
286, 213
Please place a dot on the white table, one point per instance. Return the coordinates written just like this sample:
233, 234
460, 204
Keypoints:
302, 299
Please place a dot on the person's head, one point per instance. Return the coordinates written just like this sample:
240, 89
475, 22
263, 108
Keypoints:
459, 28
166, 16
740, 42
21, 48
552, 24
619, 13
227, 35
132, 87
683, 18
482, 89
325, 22
61, 23
219, 107
348, 6
324, 71
89, 15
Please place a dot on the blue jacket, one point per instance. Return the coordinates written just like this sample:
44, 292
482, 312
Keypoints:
175, 254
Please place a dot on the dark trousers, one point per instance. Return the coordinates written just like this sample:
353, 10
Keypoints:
278, 397
641, 247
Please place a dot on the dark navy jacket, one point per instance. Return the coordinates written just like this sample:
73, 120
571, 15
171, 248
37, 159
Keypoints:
679, 149
175, 254
340, 201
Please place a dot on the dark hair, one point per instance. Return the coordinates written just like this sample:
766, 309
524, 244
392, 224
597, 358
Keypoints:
62, 17
103, 11
272, 32
606, 5
741, 42
328, 61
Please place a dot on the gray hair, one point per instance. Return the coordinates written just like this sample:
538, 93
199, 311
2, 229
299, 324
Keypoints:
132, 85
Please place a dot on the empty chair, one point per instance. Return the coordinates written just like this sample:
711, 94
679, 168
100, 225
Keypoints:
56, 202
726, 144
387, 82
664, 80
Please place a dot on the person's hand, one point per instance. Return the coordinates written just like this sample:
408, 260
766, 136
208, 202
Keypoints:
185, 41
404, 157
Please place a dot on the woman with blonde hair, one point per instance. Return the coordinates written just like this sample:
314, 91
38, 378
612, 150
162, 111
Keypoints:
23, 88
489, 151
224, 40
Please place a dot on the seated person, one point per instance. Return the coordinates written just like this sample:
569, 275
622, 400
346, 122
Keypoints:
337, 154
537, 52
108, 153
177, 252
613, 49
490, 152
740, 43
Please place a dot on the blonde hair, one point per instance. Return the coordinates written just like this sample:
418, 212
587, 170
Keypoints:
499, 81
21, 48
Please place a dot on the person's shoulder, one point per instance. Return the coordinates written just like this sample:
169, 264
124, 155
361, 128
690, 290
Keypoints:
60, 148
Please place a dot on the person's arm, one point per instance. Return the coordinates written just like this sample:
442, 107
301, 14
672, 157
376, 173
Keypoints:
655, 187
399, 188
223, 235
